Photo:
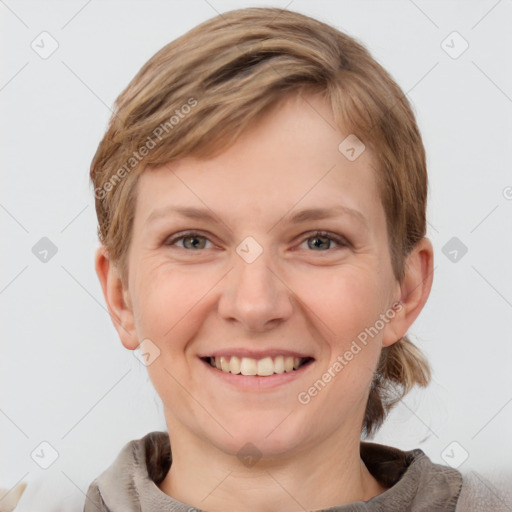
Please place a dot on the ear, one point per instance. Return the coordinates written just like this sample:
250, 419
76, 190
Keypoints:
414, 291
117, 299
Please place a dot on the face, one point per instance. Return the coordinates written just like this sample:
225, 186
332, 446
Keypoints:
232, 259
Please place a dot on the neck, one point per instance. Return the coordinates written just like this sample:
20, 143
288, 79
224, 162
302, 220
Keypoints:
207, 478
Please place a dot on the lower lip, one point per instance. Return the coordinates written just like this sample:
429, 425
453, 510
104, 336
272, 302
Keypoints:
256, 382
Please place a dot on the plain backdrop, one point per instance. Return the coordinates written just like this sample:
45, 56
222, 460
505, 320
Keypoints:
65, 377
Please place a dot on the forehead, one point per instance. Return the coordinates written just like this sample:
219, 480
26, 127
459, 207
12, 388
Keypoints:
288, 159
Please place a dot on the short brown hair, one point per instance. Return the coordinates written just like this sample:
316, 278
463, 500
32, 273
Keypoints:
196, 95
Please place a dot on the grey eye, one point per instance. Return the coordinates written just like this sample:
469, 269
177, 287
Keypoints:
319, 242
194, 242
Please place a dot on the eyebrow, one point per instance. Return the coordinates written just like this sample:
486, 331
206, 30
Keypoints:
298, 217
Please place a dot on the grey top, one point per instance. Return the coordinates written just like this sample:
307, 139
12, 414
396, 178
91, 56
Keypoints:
415, 483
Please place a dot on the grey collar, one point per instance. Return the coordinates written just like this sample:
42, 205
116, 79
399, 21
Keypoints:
414, 483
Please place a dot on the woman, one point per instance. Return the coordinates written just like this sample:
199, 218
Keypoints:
261, 197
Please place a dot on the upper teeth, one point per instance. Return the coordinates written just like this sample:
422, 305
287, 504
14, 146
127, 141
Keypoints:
262, 367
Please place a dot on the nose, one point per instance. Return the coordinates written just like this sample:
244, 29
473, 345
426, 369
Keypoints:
254, 295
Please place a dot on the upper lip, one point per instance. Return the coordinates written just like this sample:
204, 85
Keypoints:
255, 354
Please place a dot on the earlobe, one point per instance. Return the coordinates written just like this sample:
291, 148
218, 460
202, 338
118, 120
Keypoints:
116, 298
414, 291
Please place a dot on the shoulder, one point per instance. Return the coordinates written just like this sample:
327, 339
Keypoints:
136, 464
486, 491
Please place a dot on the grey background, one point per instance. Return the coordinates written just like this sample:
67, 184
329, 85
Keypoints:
65, 377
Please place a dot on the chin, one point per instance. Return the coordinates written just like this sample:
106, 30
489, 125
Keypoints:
265, 433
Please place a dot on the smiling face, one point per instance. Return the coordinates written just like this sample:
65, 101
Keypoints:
255, 280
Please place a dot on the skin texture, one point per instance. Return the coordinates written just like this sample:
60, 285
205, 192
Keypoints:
294, 296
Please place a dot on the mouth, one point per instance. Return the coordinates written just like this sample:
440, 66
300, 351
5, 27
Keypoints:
264, 367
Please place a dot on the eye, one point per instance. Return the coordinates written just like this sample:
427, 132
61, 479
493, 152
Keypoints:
191, 240
321, 241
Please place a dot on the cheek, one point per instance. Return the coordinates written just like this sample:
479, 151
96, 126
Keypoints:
169, 304
346, 305
344, 302
171, 309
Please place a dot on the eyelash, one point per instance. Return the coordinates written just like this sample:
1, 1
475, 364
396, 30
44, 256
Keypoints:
341, 241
